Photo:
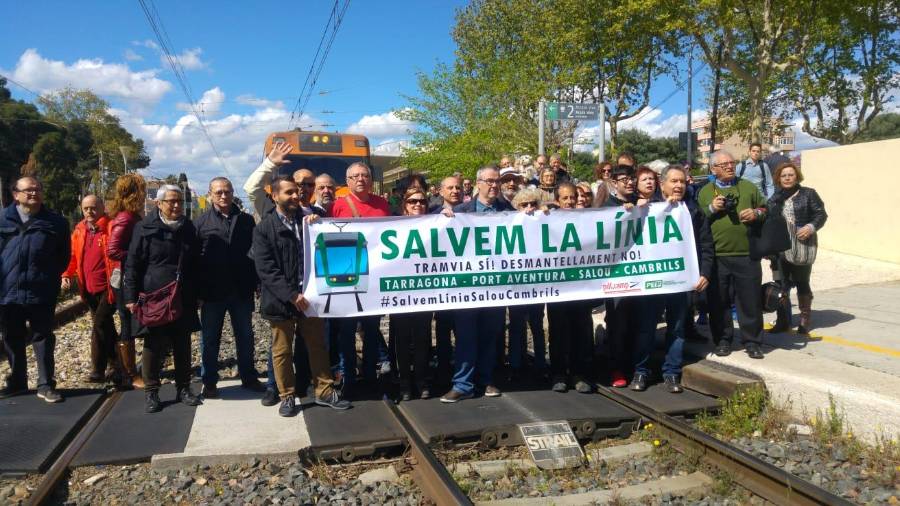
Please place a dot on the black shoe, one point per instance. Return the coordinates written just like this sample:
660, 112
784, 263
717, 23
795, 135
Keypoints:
187, 397
333, 401
49, 394
672, 384
253, 385
210, 391
270, 398
639, 382
288, 407
96, 377
12, 390
753, 351
424, 393
723, 349
151, 402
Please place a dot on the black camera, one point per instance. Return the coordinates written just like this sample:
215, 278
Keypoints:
731, 202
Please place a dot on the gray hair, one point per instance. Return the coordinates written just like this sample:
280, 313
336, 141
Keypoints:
220, 179
555, 156
526, 194
664, 175
166, 188
485, 168
718, 154
358, 164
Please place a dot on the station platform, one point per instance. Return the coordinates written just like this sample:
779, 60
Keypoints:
852, 356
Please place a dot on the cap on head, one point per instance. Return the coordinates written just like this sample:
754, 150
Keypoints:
509, 173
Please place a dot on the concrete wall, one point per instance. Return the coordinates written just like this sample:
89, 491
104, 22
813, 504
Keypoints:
864, 221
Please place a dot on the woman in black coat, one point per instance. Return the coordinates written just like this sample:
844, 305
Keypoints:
805, 214
159, 241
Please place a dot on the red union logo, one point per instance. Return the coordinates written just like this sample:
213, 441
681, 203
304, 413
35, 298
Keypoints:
621, 286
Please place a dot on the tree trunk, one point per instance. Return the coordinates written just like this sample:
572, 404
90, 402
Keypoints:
613, 133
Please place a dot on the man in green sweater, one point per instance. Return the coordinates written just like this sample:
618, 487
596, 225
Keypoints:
732, 205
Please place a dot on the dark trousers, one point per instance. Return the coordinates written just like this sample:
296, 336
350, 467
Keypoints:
212, 318
103, 331
375, 350
519, 316
443, 325
795, 275
125, 316
43, 342
571, 337
742, 277
620, 331
411, 333
156, 347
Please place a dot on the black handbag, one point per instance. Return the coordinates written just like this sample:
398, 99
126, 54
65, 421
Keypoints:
773, 297
768, 238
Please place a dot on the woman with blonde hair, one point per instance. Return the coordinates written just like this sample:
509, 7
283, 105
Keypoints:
126, 210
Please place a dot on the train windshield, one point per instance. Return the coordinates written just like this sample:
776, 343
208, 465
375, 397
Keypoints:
334, 166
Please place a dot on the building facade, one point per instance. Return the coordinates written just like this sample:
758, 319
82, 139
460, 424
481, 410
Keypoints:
779, 139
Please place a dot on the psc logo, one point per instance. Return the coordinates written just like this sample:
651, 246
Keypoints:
656, 283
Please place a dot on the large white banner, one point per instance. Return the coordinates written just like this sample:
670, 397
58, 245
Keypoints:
373, 266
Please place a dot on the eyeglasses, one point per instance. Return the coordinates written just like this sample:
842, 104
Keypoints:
359, 176
623, 180
722, 165
420, 202
173, 202
490, 182
28, 191
530, 203
222, 192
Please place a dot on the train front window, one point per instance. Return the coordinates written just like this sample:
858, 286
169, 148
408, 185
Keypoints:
334, 166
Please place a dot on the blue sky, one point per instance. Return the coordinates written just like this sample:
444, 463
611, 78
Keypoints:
246, 63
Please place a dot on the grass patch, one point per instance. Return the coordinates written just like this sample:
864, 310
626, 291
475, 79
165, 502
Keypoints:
748, 412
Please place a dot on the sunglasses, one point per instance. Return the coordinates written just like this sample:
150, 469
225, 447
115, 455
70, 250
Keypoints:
421, 202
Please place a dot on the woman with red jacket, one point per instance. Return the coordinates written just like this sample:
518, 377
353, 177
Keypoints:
127, 209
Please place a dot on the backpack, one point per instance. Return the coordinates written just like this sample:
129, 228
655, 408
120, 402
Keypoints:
762, 172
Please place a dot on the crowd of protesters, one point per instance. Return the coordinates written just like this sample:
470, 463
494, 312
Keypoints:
224, 260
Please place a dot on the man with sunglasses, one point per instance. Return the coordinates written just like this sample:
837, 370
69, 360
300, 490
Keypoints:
34, 253
228, 283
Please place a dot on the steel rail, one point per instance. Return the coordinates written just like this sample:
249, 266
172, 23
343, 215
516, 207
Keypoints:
759, 477
57, 471
432, 477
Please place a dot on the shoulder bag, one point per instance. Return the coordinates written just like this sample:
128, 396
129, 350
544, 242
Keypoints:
163, 305
800, 252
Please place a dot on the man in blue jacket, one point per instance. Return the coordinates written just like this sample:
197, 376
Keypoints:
477, 329
34, 252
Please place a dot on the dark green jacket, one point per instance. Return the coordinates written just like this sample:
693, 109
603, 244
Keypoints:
729, 234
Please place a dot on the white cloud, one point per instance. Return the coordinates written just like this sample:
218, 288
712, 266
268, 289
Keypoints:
189, 59
114, 80
130, 55
145, 43
253, 101
182, 147
381, 125
209, 104
390, 147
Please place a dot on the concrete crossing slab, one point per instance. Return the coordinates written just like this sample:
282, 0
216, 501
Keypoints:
236, 427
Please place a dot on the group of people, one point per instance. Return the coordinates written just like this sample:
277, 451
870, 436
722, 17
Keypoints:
223, 258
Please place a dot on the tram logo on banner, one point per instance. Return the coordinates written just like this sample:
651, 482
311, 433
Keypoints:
375, 266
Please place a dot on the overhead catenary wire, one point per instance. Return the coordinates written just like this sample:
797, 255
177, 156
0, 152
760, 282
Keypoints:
156, 25
330, 32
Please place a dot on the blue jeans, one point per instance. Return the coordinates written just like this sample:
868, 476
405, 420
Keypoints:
212, 318
476, 347
375, 350
649, 308
533, 315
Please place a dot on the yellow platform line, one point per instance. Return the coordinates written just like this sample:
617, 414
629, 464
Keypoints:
873, 348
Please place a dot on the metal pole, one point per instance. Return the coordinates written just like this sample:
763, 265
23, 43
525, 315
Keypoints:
601, 153
100, 178
541, 106
690, 147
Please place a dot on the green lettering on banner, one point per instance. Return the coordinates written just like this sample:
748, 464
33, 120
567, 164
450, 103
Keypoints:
570, 238
414, 245
505, 278
600, 242
508, 241
546, 247
670, 229
481, 240
436, 251
387, 239
458, 243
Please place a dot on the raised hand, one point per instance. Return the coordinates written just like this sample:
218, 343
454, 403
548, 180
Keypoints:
279, 151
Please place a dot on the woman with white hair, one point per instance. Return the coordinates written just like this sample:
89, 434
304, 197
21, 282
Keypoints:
164, 248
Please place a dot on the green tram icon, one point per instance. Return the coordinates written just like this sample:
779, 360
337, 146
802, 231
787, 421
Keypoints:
342, 265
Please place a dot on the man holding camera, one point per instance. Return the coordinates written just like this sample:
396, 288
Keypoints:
732, 205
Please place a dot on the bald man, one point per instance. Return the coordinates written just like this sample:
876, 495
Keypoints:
90, 267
